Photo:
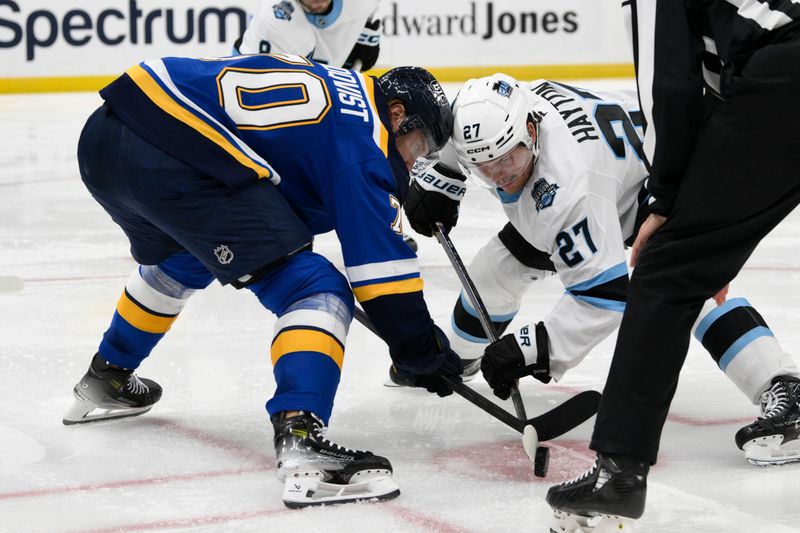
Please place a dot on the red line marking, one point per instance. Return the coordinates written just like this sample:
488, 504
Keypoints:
676, 418
424, 521
699, 422
133, 483
266, 464
188, 522
228, 445
125, 276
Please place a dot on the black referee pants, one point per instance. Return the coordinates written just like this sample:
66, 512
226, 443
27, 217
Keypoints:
743, 179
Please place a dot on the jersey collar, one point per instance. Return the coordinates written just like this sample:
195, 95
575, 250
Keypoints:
323, 21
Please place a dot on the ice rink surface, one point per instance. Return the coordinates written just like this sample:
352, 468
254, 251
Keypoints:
202, 459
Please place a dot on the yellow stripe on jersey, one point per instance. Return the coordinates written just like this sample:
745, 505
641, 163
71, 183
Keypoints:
141, 318
163, 100
368, 292
306, 340
369, 83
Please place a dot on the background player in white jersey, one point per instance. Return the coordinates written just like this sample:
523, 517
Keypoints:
566, 165
214, 171
341, 33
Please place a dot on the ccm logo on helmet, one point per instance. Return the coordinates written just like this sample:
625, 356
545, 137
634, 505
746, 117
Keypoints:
477, 150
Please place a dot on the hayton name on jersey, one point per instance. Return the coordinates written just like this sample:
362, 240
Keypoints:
581, 127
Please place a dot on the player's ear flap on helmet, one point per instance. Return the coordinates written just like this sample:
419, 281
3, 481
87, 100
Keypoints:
425, 104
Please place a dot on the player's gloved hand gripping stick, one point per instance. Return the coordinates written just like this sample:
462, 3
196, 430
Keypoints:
530, 437
572, 413
544, 427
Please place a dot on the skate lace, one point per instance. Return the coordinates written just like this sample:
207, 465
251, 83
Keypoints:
136, 385
584, 475
320, 434
774, 400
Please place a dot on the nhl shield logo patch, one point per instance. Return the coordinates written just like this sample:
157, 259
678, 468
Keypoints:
224, 254
543, 193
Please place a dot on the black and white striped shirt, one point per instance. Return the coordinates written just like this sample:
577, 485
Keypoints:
684, 49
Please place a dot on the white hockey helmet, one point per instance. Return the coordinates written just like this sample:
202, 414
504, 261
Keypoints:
491, 117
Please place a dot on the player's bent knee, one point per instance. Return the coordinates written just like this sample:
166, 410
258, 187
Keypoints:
302, 276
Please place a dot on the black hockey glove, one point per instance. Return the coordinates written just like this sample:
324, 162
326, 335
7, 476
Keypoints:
446, 363
504, 362
365, 53
434, 196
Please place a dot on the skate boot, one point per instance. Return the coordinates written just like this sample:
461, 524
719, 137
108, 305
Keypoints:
607, 497
113, 391
410, 242
471, 369
397, 379
317, 471
774, 438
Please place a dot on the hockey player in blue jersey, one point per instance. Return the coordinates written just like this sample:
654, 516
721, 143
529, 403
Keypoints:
225, 168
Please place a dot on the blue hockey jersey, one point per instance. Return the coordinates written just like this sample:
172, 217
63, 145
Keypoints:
319, 133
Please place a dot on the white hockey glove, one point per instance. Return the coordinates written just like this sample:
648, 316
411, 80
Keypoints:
525, 353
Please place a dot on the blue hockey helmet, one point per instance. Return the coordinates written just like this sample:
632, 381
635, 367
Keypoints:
426, 104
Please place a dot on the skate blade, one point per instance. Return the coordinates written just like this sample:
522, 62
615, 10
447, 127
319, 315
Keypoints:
770, 451
300, 492
564, 522
82, 412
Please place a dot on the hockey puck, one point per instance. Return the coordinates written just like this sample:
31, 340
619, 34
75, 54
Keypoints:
541, 461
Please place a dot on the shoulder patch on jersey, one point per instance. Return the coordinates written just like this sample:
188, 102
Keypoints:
283, 10
543, 193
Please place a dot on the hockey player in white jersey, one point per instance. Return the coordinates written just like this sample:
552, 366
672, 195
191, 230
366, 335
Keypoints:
566, 165
341, 33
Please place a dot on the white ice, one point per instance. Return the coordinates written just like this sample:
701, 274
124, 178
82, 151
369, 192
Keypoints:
203, 460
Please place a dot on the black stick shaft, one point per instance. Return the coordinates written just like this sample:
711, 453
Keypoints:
477, 304
462, 390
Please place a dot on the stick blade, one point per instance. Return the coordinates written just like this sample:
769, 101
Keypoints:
567, 416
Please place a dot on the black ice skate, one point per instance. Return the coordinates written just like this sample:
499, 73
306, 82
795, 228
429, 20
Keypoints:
396, 379
317, 471
410, 242
471, 369
112, 391
774, 438
607, 497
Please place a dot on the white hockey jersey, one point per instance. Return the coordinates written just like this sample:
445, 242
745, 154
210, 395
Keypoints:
578, 207
282, 26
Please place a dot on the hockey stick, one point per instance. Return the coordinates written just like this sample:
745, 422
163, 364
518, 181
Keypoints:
547, 425
554, 423
477, 304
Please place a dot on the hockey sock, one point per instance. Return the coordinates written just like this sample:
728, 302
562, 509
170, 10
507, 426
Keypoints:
742, 344
146, 310
307, 354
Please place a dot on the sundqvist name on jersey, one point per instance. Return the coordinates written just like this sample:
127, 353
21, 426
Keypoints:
43, 28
